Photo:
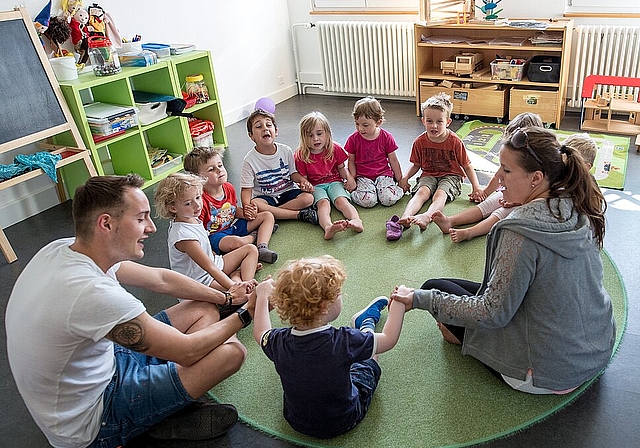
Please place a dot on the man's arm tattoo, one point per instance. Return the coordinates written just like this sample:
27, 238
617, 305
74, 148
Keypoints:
131, 335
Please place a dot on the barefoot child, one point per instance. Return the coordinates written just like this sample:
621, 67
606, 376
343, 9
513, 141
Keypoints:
328, 374
372, 158
178, 198
322, 162
442, 159
269, 180
492, 209
222, 218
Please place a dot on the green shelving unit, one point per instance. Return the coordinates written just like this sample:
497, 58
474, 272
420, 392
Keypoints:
127, 152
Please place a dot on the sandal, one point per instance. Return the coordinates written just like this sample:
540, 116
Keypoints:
394, 230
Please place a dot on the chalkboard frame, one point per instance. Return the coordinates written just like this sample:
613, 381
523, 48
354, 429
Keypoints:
23, 131
42, 73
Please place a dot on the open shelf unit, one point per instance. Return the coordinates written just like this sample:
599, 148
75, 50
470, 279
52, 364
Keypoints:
606, 117
127, 152
466, 100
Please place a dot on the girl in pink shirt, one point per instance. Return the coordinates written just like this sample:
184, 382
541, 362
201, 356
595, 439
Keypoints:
322, 162
372, 158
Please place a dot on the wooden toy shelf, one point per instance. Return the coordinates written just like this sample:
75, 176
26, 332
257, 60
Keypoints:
604, 112
445, 41
604, 117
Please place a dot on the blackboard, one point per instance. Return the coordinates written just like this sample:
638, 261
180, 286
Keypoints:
29, 104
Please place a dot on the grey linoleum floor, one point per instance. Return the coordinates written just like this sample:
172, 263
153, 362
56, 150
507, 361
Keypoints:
606, 415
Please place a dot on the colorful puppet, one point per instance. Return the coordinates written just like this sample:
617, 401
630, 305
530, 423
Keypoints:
80, 35
96, 24
58, 32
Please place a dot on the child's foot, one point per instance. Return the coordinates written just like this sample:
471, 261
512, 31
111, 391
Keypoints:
421, 221
442, 221
259, 266
355, 224
459, 235
266, 255
394, 229
367, 318
308, 215
405, 221
335, 227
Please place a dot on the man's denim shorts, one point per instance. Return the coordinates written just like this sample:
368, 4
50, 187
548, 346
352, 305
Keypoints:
143, 391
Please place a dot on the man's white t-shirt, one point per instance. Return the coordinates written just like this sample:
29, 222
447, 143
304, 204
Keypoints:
60, 310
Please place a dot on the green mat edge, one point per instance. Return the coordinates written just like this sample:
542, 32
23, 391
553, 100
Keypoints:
573, 396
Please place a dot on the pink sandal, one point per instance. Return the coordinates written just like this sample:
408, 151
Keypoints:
394, 230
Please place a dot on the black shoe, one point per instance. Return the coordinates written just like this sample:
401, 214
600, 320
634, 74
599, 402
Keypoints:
198, 421
308, 215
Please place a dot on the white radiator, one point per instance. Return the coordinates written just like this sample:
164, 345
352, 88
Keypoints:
604, 50
368, 58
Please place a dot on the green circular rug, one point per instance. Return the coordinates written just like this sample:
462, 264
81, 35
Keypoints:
429, 394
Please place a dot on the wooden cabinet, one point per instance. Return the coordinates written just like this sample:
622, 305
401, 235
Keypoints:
127, 152
436, 43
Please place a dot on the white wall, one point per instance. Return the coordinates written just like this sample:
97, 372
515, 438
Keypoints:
251, 45
250, 42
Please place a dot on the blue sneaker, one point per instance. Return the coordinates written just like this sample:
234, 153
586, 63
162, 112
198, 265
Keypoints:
371, 312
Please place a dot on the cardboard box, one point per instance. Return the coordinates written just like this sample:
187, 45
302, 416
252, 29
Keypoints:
488, 101
541, 102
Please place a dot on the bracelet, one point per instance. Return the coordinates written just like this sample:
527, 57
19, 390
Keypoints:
228, 298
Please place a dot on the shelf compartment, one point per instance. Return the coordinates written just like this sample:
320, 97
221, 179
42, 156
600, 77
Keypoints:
480, 102
541, 102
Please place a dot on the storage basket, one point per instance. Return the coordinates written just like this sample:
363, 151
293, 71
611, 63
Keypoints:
544, 69
508, 69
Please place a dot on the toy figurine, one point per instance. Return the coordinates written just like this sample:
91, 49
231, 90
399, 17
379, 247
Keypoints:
79, 35
96, 25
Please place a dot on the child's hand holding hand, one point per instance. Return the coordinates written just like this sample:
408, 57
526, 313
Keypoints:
404, 295
478, 195
250, 211
350, 184
305, 185
264, 289
404, 184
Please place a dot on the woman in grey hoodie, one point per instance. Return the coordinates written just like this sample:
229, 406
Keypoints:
541, 319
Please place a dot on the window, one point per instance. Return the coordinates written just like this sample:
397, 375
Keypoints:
615, 7
365, 5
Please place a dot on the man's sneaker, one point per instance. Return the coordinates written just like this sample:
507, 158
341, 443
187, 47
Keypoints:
394, 229
372, 311
198, 421
308, 215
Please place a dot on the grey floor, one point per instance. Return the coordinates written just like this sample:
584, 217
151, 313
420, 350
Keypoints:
606, 415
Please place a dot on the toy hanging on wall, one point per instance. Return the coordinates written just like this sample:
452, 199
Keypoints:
96, 24
80, 35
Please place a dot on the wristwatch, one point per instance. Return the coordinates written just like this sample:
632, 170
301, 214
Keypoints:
245, 317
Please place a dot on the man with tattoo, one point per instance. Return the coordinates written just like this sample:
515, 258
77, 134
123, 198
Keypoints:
93, 367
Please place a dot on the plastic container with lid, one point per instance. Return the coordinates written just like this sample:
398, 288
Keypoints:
196, 88
103, 56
